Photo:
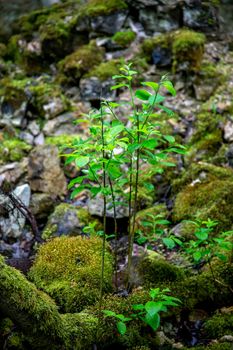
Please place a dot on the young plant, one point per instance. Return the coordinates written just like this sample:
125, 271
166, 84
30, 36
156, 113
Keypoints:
148, 313
156, 230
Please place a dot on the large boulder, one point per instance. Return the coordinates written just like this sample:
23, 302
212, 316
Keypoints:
44, 171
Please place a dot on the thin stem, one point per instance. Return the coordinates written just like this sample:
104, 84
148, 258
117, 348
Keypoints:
132, 231
105, 209
115, 231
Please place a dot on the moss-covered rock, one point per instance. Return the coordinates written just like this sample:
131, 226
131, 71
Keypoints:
100, 8
219, 325
183, 49
187, 50
68, 220
155, 269
105, 70
218, 346
87, 57
125, 38
69, 269
13, 150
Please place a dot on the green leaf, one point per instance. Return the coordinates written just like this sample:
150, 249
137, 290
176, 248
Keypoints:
81, 161
202, 235
197, 256
143, 95
150, 143
151, 84
76, 191
169, 242
138, 307
118, 86
109, 313
114, 131
153, 307
153, 321
155, 99
169, 86
121, 326
169, 138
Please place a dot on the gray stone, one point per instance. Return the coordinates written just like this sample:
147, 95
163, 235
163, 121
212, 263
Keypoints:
228, 131
96, 208
12, 224
27, 137
63, 124
93, 89
155, 21
34, 128
109, 24
42, 205
44, 171
39, 140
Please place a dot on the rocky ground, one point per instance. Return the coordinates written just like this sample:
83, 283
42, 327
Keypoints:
56, 63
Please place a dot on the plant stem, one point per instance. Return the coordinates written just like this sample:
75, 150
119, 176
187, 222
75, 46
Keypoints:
104, 214
115, 232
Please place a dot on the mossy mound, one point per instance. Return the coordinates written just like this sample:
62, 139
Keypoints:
155, 269
186, 48
69, 269
87, 57
68, 220
40, 93
124, 39
13, 150
105, 70
94, 8
219, 325
218, 346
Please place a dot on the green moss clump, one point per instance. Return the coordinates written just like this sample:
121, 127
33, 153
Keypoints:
61, 140
188, 46
87, 57
185, 46
206, 200
105, 70
219, 325
206, 148
68, 268
155, 269
13, 150
100, 8
219, 346
125, 38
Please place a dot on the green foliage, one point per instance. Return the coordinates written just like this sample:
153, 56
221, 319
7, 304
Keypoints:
99, 8
149, 312
219, 325
105, 70
125, 38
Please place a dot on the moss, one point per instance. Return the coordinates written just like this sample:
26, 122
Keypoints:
125, 38
61, 140
41, 92
206, 200
68, 220
188, 46
105, 70
74, 66
155, 269
219, 325
100, 8
206, 123
13, 150
206, 148
69, 269
3, 50
185, 46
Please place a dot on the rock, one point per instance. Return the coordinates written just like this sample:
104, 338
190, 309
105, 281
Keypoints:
63, 124
161, 20
41, 205
96, 208
12, 223
34, 128
53, 108
44, 171
177, 346
27, 137
109, 24
14, 172
39, 140
200, 16
64, 221
161, 57
12, 10
228, 131
93, 89
226, 338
